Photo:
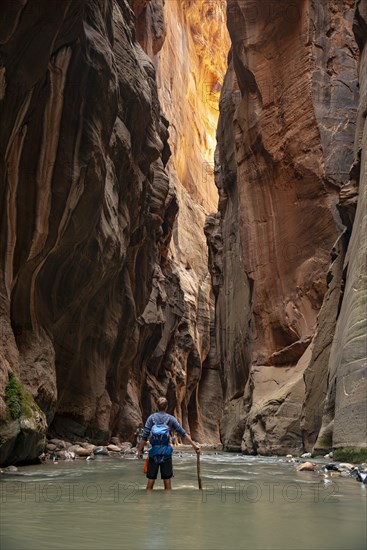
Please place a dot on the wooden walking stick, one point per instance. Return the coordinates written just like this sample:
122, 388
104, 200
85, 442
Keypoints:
198, 470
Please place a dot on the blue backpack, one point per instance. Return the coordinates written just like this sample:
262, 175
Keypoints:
160, 433
159, 440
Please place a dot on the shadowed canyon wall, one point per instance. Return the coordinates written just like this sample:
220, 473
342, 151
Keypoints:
287, 252
104, 290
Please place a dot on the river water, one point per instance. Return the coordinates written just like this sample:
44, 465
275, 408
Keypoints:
246, 503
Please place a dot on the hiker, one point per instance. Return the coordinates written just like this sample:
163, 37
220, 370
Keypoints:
139, 434
174, 439
157, 428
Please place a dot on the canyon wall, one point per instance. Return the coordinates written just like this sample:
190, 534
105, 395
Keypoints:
286, 254
109, 110
188, 42
344, 420
105, 297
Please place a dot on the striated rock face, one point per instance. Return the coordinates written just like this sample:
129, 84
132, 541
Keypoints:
84, 196
344, 421
316, 375
285, 149
190, 69
105, 297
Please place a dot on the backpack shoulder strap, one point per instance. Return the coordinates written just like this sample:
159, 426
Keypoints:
165, 420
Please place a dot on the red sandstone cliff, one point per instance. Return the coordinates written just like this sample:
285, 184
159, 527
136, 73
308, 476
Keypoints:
104, 287
108, 117
286, 144
84, 204
188, 42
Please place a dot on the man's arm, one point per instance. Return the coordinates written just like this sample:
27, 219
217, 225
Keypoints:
194, 445
179, 429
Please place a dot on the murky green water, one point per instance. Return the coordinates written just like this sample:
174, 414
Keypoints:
247, 503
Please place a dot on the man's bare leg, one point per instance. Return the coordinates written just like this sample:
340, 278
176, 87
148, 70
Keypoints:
167, 484
150, 484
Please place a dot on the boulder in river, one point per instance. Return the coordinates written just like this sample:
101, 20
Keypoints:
113, 448
87, 445
58, 443
11, 469
346, 466
66, 455
306, 467
73, 448
332, 467
100, 451
362, 477
80, 451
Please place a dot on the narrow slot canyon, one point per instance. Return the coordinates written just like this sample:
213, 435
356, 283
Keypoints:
184, 215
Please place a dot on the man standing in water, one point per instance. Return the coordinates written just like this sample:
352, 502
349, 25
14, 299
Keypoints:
139, 434
158, 427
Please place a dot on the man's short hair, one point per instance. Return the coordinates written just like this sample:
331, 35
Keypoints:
162, 404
